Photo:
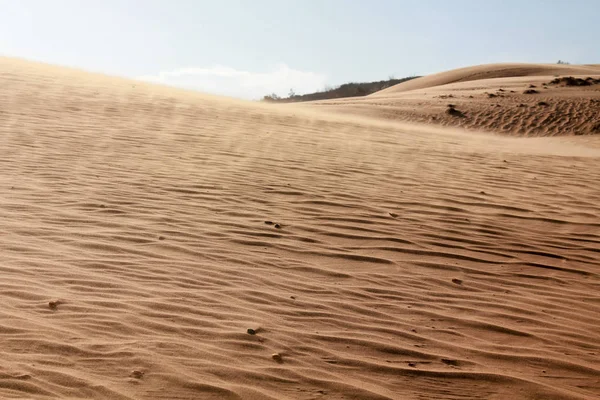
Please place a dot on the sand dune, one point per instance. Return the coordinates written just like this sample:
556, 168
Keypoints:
515, 100
158, 243
490, 71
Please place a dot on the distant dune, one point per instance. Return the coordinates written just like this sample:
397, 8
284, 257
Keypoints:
489, 71
158, 243
511, 99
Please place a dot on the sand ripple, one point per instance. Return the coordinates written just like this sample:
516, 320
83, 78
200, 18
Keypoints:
407, 264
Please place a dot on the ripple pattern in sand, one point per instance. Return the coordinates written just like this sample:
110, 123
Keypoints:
395, 264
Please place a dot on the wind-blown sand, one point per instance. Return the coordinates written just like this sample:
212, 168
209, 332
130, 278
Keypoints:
398, 261
489, 98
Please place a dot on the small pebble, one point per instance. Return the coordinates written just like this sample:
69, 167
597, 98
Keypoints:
293, 297
277, 226
457, 281
393, 215
136, 374
412, 365
251, 331
161, 238
449, 361
53, 304
269, 222
277, 357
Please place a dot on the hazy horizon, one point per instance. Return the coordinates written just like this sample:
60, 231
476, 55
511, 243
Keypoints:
247, 50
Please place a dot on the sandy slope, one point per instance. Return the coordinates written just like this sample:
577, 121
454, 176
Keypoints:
490, 98
489, 71
408, 263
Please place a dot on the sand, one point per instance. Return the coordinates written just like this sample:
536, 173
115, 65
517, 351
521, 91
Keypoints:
510, 99
490, 71
163, 244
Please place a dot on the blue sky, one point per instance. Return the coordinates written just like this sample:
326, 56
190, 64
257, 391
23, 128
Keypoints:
253, 47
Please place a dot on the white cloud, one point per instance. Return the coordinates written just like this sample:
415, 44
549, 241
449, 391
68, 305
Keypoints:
229, 81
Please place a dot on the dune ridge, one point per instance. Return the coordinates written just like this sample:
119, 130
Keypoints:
490, 71
507, 99
158, 243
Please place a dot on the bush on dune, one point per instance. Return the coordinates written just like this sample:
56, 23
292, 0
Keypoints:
351, 89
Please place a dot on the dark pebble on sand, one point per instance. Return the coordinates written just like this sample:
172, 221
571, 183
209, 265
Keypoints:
251, 331
457, 281
277, 226
137, 374
449, 361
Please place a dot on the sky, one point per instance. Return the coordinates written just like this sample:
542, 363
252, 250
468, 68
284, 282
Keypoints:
250, 48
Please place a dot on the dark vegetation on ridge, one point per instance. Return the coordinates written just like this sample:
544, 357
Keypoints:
351, 89
570, 81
